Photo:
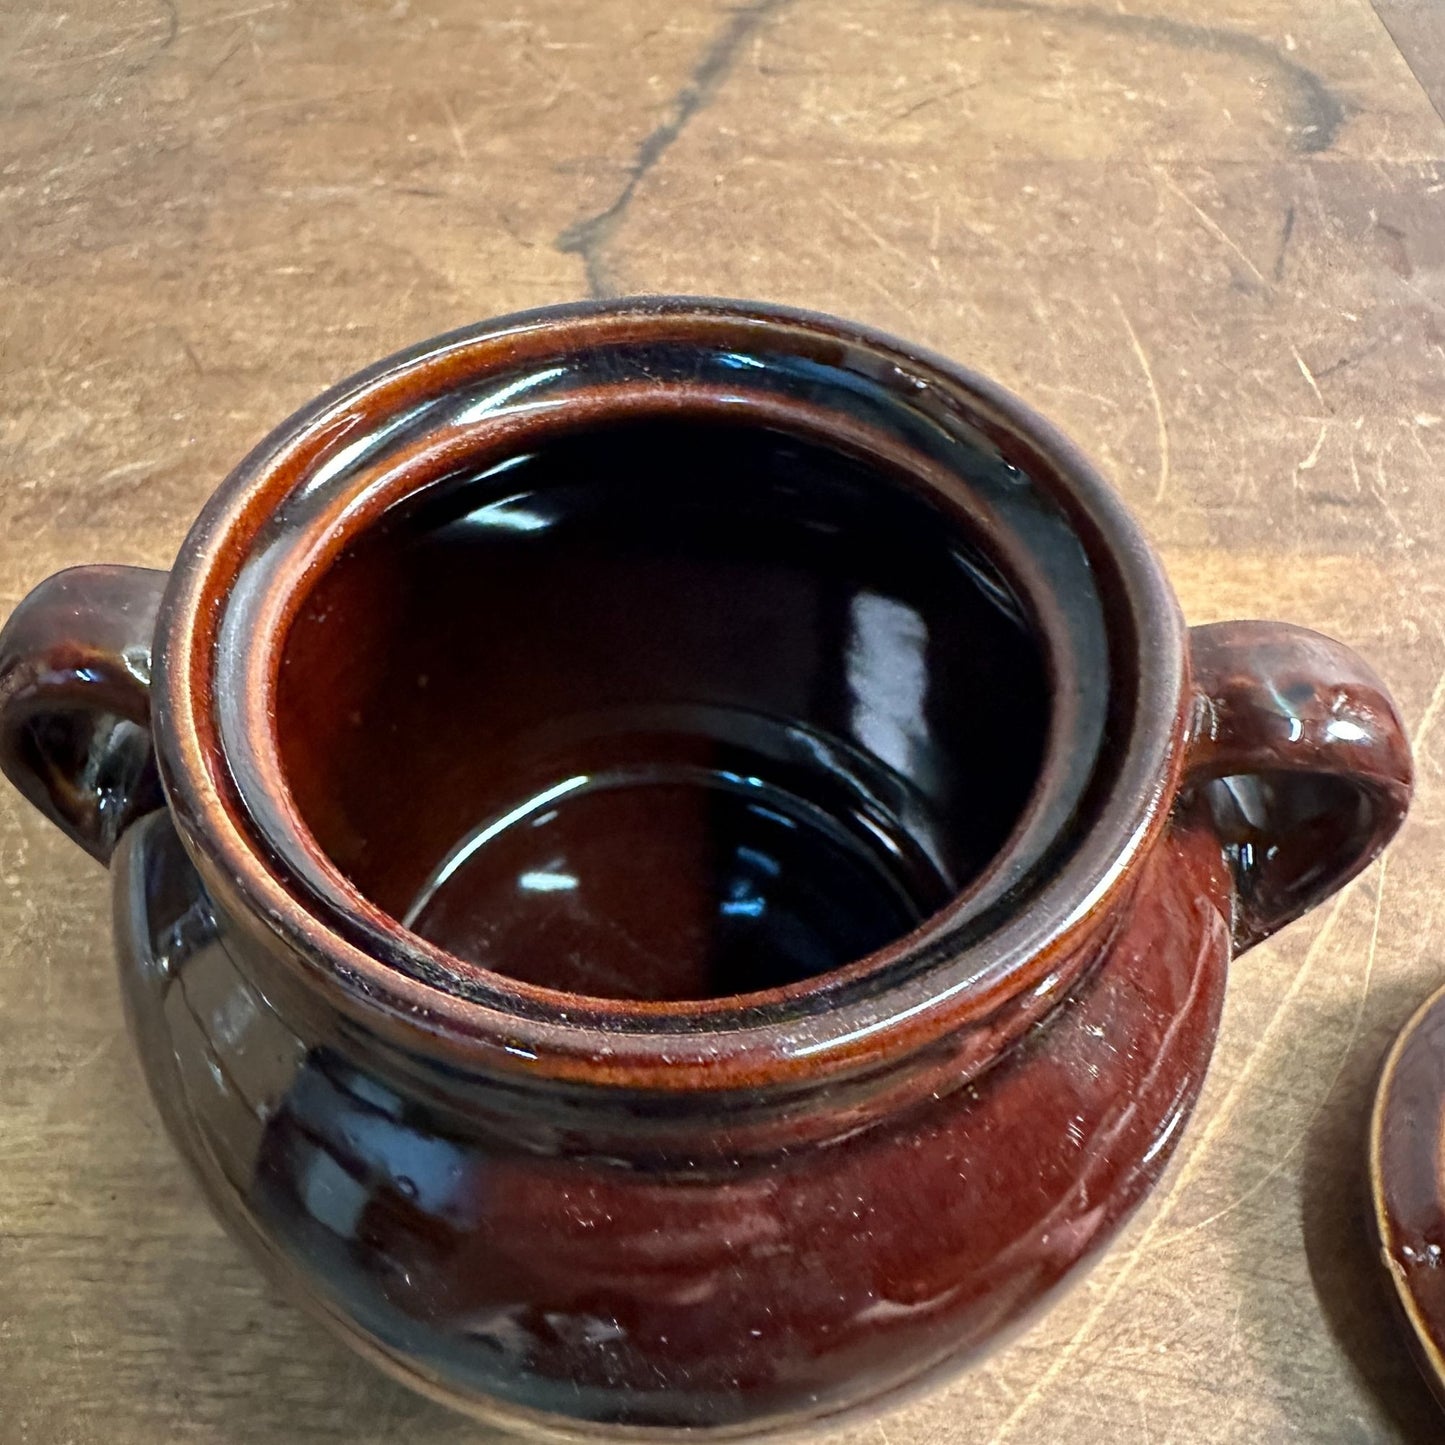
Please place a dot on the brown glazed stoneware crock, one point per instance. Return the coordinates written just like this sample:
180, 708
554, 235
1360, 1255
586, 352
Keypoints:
675, 861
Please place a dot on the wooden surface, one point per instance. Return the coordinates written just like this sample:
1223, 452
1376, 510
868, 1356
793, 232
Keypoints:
1208, 238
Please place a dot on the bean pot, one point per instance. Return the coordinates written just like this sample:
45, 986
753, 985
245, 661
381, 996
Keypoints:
675, 862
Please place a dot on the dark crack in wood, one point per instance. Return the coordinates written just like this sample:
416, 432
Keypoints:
1318, 113
588, 238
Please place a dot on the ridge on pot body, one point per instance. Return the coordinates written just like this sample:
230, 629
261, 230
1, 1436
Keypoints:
727, 1214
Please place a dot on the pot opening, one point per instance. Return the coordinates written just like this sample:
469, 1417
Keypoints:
664, 709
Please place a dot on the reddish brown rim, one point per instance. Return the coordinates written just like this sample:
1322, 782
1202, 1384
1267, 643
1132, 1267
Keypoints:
403, 480
540, 1031
1406, 1161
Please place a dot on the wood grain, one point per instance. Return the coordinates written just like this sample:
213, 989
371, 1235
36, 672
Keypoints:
1209, 239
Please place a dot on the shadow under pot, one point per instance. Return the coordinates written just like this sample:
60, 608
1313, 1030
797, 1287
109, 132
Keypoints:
697, 859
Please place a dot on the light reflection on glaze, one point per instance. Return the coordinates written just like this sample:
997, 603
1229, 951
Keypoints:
483, 835
888, 676
498, 399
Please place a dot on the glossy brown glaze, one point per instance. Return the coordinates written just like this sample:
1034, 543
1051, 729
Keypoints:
660, 1263
701, 1182
75, 662
1309, 767
1407, 1183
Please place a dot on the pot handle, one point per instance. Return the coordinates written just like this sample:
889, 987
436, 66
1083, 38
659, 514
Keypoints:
75, 665
1299, 753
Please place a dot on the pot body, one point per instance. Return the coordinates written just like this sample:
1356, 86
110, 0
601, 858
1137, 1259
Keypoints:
573, 1216
502, 1258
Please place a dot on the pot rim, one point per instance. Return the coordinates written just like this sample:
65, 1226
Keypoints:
395, 985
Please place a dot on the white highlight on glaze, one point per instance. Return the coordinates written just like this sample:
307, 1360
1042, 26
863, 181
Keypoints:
494, 401
888, 677
1342, 730
353, 452
469, 845
546, 882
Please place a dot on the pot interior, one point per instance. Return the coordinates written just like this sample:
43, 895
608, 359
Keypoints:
664, 709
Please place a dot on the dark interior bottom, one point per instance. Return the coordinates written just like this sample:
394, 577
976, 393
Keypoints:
665, 882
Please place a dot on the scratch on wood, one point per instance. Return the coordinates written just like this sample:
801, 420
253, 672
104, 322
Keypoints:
126, 469
225, 59
879, 240
880, 290
1427, 718
230, 15
908, 112
20, 1140
1305, 372
168, 18
1161, 428
1381, 489
1308, 463
458, 135
1419, 446
1066, 389
1211, 225
1349, 359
